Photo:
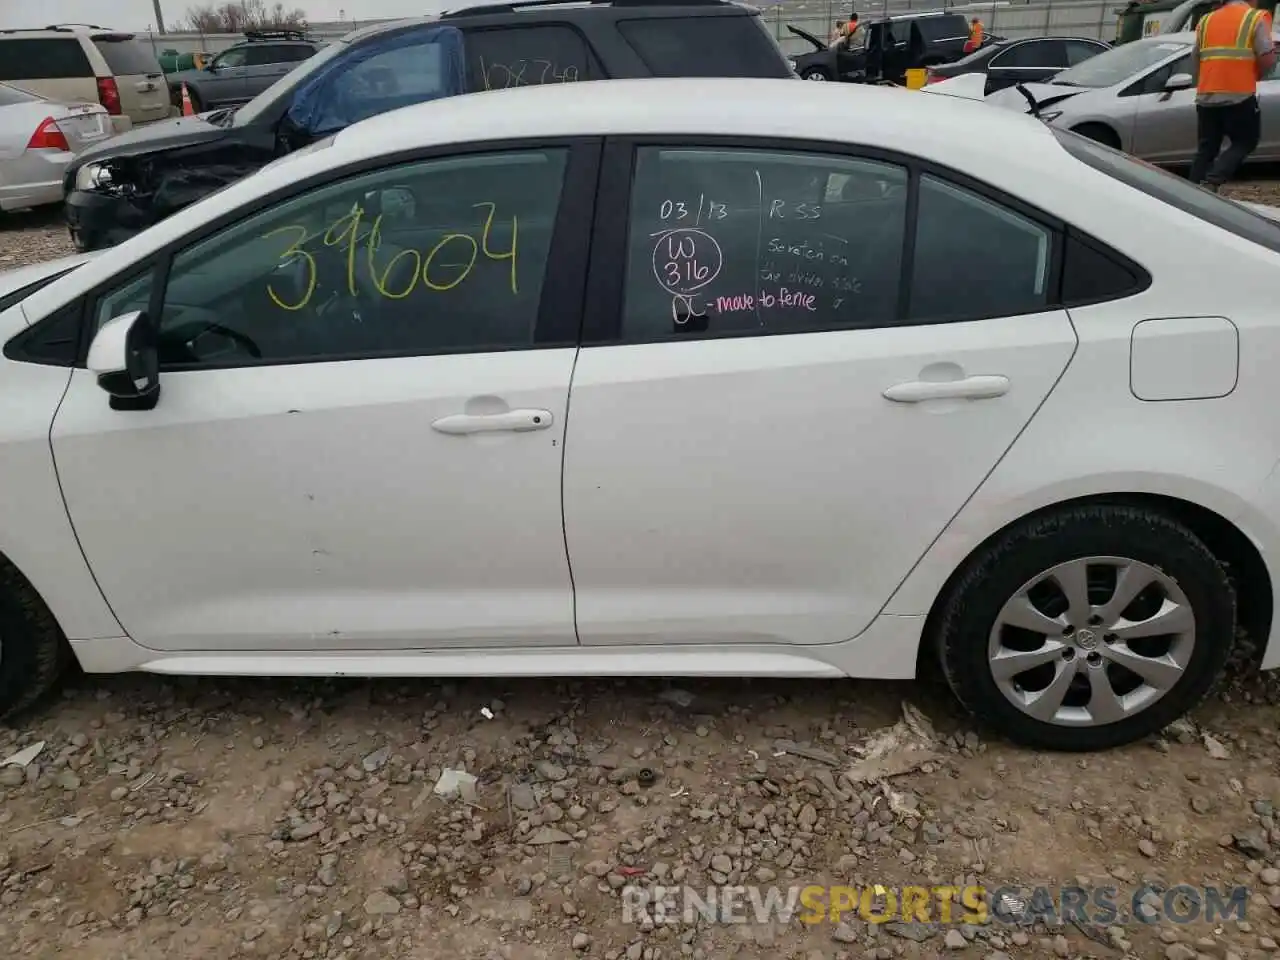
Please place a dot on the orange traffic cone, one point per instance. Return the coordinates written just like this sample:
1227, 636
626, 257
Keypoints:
187, 109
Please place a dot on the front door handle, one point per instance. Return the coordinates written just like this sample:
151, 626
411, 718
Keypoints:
515, 421
968, 388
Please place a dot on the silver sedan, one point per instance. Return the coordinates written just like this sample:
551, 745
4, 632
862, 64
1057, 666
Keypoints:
38, 139
1138, 97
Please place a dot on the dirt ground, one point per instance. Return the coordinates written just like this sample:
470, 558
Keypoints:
167, 818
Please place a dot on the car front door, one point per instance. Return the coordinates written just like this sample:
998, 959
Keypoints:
1269, 104
777, 408
359, 438
265, 64
224, 82
1164, 121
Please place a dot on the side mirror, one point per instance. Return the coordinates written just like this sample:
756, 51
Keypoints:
1179, 81
123, 354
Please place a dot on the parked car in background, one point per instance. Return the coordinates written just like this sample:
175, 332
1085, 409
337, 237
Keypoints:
328, 408
241, 72
899, 43
140, 179
1007, 62
1140, 98
171, 61
76, 63
38, 138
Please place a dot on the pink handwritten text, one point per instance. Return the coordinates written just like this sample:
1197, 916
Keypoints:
782, 297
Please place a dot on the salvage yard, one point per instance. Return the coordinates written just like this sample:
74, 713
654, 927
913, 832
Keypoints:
161, 818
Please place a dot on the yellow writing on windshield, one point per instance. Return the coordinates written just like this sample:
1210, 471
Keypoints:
446, 265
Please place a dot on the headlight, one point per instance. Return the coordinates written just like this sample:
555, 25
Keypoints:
91, 176
1051, 116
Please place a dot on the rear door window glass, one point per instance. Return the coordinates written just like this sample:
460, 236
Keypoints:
705, 47
1033, 53
975, 258
260, 55
941, 28
733, 242
1079, 51
127, 57
41, 58
528, 57
294, 53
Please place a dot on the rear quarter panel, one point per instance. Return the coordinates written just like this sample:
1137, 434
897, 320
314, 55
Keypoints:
1092, 436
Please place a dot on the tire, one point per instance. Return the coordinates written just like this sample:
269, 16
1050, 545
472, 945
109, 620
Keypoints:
33, 650
1099, 133
815, 73
1012, 571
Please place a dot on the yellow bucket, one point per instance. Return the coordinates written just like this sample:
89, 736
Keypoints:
916, 78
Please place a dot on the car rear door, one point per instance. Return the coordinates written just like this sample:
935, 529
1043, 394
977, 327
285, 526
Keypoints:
776, 408
144, 95
265, 64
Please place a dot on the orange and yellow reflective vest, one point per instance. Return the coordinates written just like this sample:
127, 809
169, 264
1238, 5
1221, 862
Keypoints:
1227, 61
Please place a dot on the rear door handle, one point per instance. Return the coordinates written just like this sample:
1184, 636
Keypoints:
514, 421
969, 388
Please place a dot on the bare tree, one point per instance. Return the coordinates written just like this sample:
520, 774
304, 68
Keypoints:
242, 15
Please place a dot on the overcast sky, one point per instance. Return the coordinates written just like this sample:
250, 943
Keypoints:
138, 15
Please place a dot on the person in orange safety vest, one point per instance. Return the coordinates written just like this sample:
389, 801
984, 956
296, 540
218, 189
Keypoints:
1233, 49
975, 36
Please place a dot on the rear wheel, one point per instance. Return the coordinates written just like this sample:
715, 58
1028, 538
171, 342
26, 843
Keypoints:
33, 651
1087, 628
815, 73
1099, 133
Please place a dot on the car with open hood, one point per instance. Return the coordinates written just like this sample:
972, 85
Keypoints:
138, 180
903, 42
1138, 97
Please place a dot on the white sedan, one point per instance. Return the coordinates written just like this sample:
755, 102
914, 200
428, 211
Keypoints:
662, 377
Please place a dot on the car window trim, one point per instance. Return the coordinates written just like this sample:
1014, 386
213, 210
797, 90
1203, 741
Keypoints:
602, 324
559, 311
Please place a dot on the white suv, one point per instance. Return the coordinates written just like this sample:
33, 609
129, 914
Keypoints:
83, 62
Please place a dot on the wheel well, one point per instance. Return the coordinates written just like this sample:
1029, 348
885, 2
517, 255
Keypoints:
1245, 567
1104, 133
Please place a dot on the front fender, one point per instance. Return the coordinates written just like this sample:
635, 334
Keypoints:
35, 531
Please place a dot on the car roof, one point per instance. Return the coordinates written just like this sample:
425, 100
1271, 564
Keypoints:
478, 8
706, 106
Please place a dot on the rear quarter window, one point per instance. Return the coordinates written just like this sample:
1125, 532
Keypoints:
737, 46
43, 58
504, 57
940, 28
126, 56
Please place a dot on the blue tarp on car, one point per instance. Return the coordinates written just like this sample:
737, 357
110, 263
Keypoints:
407, 67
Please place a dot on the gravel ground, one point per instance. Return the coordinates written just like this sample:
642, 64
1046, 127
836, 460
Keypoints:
205, 818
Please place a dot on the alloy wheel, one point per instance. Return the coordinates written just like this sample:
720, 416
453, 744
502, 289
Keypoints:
1092, 641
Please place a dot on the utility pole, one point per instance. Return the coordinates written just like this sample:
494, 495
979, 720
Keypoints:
155, 4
